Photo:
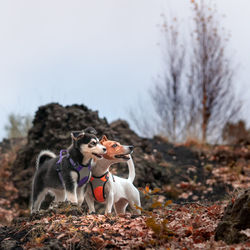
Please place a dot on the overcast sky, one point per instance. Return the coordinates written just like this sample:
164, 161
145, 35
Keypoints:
100, 53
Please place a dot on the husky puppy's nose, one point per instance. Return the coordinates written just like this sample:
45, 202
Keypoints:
104, 149
131, 148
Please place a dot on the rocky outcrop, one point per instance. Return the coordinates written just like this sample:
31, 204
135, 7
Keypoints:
236, 218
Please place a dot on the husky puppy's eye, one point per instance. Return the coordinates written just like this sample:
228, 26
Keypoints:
114, 145
93, 143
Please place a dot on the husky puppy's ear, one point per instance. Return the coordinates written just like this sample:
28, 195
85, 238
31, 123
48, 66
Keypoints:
76, 134
103, 139
90, 130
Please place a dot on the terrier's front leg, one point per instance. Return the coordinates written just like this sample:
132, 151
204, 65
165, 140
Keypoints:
109, 203
90, 203
80, 195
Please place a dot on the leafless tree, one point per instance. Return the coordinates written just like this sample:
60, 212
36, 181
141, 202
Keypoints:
167, 93
211, 75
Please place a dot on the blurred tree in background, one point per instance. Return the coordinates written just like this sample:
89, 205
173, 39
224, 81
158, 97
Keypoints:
211, 74
18, 125
168, 90
194, 97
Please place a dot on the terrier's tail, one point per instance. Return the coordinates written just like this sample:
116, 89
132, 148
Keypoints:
131, 169
43, 156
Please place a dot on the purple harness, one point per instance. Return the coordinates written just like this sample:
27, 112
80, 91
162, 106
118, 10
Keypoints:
83, 171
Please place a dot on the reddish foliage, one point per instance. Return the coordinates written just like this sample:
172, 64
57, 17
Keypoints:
8, 193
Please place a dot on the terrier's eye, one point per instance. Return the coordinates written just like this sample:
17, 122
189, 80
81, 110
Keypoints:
114, 145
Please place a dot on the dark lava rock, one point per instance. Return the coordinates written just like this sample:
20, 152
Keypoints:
52, 244
236, 218
9, 244
10, 238
51, 130
66, 208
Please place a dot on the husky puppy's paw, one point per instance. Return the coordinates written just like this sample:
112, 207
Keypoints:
92, 213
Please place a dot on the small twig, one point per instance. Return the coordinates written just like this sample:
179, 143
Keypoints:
193, 202
22, 239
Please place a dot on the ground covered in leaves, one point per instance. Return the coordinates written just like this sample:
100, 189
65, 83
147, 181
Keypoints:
204, 172
189, 226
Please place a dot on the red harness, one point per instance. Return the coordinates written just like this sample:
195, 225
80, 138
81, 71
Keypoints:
98, 185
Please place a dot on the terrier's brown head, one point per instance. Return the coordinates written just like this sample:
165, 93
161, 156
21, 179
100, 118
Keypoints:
116, 151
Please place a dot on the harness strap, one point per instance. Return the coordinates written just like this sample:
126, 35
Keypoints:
59, 166
83, 171
61, 156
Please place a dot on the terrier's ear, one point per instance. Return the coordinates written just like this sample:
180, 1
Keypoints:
103, 139
90, 130
76, 134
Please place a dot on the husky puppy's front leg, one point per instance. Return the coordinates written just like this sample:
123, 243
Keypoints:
71, 187
60, 195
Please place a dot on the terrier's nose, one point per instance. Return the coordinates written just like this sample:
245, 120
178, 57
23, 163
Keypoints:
131, 148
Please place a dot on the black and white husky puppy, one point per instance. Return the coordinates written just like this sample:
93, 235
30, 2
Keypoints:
66, 175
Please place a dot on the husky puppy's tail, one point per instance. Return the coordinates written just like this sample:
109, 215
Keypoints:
43, 156
131, 169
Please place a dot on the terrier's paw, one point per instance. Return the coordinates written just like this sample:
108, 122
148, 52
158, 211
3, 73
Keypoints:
133, 216
108, 214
